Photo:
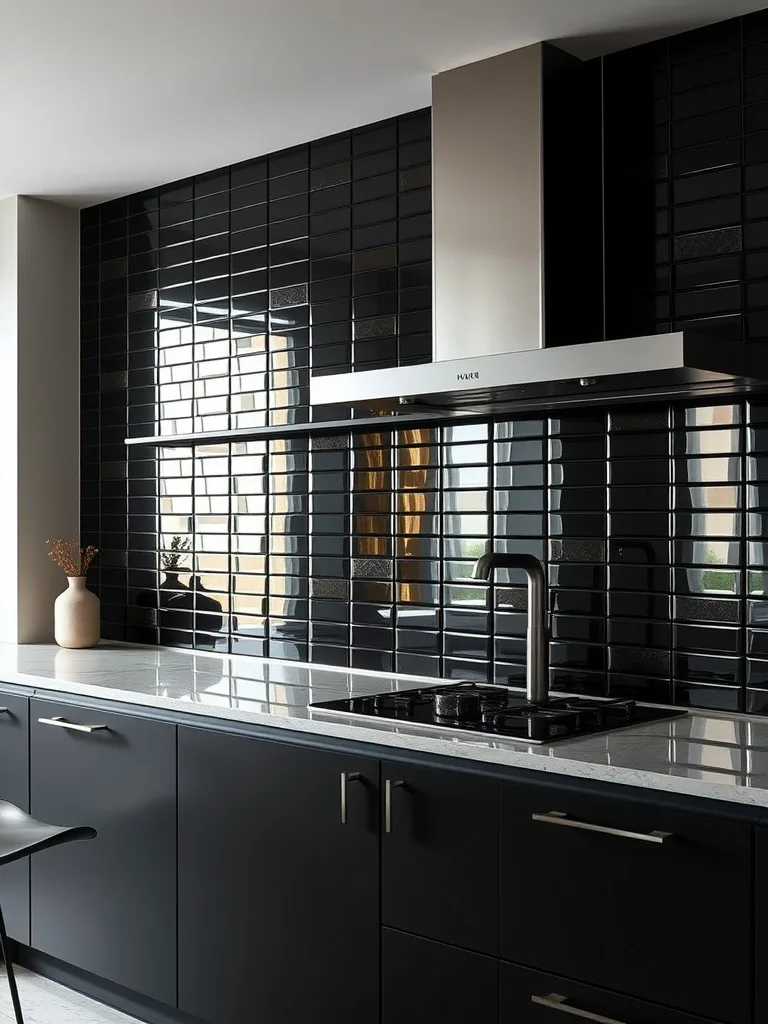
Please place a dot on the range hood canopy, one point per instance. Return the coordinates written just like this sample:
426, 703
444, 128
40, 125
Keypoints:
659, 365
519, 261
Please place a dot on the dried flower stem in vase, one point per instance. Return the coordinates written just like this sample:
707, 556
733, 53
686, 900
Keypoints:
70, 557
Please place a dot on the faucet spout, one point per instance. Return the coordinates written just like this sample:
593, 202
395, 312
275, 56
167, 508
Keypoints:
537, 665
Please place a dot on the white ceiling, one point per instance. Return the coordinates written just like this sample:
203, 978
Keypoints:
100, 98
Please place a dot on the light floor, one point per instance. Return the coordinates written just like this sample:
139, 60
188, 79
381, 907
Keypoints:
45, 1002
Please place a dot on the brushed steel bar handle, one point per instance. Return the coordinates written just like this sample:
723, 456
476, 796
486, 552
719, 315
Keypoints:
389, 785
346, 777
555, 1002
62, 723
559, 818
3, 711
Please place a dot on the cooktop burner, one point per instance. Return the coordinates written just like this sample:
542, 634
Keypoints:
497, 711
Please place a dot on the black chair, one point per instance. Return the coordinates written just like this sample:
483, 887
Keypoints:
21, 835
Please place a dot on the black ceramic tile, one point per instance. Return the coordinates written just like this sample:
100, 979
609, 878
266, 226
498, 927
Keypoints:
344, 224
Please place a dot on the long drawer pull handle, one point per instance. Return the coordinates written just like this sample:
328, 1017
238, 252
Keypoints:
559, 818
389, 785
555, 1002
346, 777
62, 723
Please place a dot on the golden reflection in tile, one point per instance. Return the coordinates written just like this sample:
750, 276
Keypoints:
370, 524
373, 481
376, 503
372, 591
413, 502
418, 593
418, 525
417, 436
374, 440
415, 458
372, 547
417, 479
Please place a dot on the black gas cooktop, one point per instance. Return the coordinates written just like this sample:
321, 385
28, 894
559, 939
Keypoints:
498, 711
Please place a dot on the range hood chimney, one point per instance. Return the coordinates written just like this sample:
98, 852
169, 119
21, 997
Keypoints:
518, 259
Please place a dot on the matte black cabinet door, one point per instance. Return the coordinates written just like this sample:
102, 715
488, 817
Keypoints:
278, 896
423, 981
440, 856
761, 923
107, 906
14, 786
531, 997
622, 911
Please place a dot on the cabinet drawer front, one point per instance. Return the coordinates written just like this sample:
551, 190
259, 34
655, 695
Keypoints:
639, 898
107, 906
424, 981
14, 786
532, 997
439, 855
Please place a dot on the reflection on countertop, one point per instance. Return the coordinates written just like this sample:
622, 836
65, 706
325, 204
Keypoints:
704, 754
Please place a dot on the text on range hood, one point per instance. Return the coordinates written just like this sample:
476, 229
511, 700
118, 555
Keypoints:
518, 259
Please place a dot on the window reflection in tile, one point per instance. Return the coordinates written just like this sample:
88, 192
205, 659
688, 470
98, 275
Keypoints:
220, 336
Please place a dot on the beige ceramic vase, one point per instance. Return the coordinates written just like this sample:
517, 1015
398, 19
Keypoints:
76, 615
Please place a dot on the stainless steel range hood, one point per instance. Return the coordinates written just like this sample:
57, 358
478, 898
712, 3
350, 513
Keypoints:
518, 259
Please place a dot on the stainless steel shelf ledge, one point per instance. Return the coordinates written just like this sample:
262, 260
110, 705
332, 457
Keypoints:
330, 427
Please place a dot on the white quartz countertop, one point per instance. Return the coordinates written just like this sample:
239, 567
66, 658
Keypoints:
722, 757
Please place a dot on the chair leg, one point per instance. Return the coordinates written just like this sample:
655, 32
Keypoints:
5, 950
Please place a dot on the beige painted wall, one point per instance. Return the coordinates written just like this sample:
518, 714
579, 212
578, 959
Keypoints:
39, 407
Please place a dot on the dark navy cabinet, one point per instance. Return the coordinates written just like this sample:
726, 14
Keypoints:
14, 786
440, 855
278, 881
107, 906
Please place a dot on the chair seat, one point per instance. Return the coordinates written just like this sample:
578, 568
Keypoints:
21, 834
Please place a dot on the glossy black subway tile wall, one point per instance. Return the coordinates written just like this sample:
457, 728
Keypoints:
208, 303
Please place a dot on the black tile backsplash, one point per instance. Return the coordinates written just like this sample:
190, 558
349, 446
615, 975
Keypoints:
207, 304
